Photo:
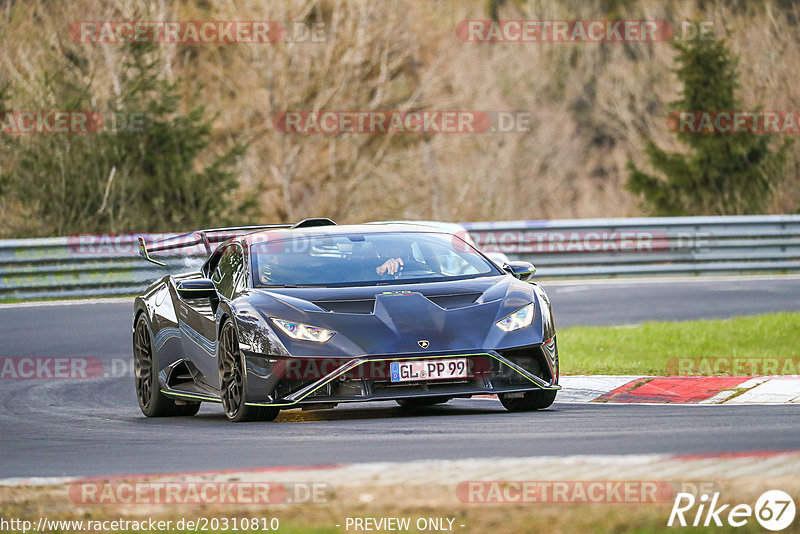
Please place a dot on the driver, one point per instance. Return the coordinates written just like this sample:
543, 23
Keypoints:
394, 256
391, 267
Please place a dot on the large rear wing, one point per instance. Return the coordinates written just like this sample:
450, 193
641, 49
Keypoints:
214, 235
199, 237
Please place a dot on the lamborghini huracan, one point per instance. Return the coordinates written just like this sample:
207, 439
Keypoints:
316, 314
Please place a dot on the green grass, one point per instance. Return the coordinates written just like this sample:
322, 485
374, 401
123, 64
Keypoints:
647, 348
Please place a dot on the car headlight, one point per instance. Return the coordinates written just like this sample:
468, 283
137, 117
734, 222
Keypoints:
303, 331
519, 319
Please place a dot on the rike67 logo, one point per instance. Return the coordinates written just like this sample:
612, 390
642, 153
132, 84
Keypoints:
774, 510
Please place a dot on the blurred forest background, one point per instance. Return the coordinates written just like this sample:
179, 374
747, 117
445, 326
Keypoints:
211, 156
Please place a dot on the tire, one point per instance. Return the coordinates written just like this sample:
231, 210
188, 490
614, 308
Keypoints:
533, 400
411, 404
233, 382
152, 402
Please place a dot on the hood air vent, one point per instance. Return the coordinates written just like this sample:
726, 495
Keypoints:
367, 306
452, 302
347, 306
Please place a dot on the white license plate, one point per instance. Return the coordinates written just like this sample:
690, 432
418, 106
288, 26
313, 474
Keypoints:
429, 370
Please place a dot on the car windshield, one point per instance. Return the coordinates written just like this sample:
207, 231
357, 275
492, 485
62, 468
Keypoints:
365, 259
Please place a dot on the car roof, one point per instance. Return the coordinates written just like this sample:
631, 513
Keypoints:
336, 229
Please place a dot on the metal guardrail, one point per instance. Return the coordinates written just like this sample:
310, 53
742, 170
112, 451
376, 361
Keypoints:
648, 246
82, 266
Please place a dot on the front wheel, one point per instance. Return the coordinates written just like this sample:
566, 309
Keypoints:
232, 383
532, 400
148, 391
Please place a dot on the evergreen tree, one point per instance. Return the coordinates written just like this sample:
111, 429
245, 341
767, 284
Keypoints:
139, 173
719, 173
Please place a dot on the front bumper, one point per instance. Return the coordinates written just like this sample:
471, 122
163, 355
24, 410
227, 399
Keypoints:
294, 382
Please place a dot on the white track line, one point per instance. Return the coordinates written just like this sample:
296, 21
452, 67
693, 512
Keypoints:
666, 279
588, 388
779, 390
71, 302
452, 472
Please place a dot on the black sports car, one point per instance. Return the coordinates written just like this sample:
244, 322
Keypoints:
316, 314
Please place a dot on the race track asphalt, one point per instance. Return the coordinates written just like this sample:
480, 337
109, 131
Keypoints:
94, 427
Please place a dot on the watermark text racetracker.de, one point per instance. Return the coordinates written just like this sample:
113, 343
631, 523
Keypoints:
582, 31
734, 122
63, 368
402, 122
128, 244
197, 31
44, 121
204, 492
732, 366
598, 241
577, 491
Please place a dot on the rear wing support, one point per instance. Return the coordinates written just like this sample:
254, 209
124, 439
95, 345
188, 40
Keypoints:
146, 255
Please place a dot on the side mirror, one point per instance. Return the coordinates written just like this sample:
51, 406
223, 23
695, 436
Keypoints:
523, 270
196, 288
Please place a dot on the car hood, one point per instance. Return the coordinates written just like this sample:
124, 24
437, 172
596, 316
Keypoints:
384, 320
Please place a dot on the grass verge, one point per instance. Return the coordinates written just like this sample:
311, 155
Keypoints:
647, 348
